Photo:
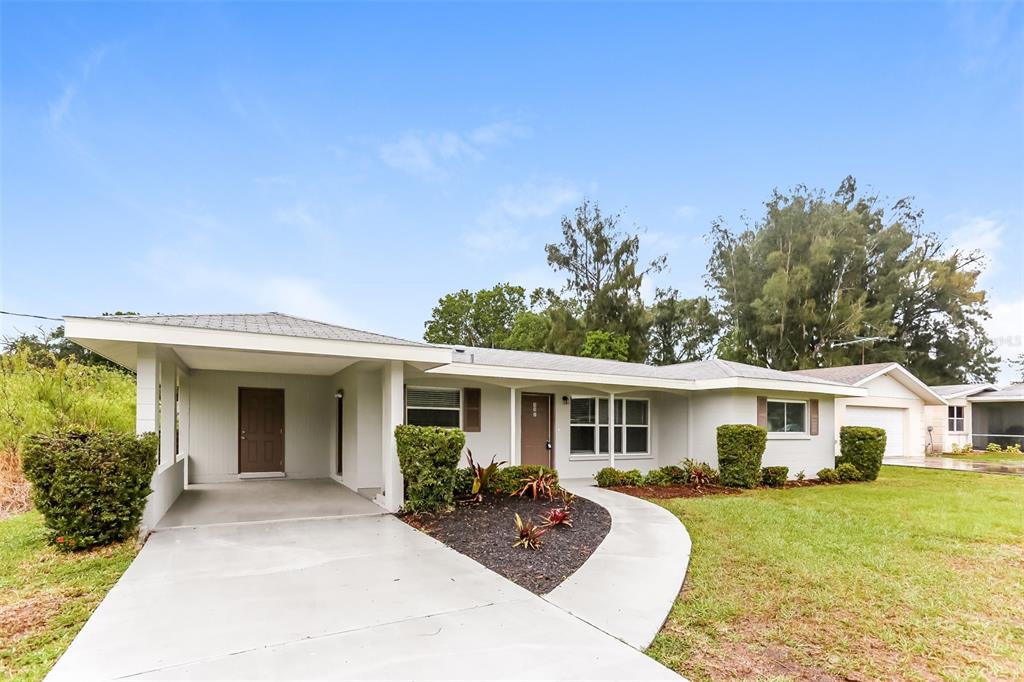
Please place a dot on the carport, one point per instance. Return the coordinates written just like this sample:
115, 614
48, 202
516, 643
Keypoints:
257, 501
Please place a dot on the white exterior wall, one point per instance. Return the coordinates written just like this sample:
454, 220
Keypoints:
667, 438
884, 391
937, 416
213, 441
711, 409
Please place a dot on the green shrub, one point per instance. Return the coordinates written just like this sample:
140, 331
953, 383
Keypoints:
429, 456
774, 477
801, 475
658, 478
463, 482
848, 472
511, 479
740, 448
828, 475
1014, 450
863, 447
993, 447
609, 477
676, 474
90, 485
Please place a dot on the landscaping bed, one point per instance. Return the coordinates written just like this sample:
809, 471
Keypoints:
668, 492
485, 532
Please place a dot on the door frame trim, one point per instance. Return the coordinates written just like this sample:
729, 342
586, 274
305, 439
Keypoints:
238, 430
551, 424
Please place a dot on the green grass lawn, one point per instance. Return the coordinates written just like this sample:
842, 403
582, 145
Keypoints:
987, 457
918, 575
46, 596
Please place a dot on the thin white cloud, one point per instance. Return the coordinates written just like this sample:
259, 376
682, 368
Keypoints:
60, 108
300, 216
979, 233
536, 199
685, 213
429, 154
498, 240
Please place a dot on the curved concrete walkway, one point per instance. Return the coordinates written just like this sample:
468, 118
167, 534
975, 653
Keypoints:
628, 585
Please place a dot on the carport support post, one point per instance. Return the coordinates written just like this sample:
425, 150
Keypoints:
394, 485
611, 429
147, 390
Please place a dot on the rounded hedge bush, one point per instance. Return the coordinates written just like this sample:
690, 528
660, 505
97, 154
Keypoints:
848, 472
828, 475
610, 477
740, 448
774, 477
90, 485
863, 447
658, 478
428, 456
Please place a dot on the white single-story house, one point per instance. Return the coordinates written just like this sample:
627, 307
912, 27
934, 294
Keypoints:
235, 397
951, 425
896, 401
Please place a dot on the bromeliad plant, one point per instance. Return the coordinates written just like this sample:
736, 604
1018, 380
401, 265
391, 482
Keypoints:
528, 534
558, 516
567, 498
542, 484
482, 475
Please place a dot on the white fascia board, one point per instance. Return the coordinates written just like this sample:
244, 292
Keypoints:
841, 390
903, 375
140, 332
973, 390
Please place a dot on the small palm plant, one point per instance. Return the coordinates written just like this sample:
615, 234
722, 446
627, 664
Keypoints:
528, 534
558, 516
542, 484
482, 475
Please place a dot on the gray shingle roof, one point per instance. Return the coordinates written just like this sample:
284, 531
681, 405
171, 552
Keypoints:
688, 371
1013, 392
277, 324
960, 389
849, 375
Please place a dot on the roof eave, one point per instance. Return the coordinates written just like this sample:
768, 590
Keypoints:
85, 330
909, 381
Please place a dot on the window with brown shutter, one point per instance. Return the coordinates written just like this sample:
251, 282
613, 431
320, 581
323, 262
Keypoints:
814, 417
471, 409
762, 411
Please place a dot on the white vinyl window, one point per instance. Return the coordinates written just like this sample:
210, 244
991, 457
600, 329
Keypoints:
588, 426
787, 416
956, 418
433, 407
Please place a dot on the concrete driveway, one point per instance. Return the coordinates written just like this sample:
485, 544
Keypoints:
341, 598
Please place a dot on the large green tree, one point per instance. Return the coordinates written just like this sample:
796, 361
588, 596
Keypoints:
484, 319
827, 280
682, 329
603, 276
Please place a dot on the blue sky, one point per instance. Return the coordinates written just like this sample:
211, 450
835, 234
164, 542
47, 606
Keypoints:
355, 162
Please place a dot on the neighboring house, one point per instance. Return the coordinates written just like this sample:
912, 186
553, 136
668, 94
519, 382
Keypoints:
896, 401
271, 395
951, 425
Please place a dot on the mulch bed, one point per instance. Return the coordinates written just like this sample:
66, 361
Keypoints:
485, 531
668, 492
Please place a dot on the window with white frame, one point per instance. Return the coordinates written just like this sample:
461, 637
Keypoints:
433, 406
956, 418
588, 426
787, 416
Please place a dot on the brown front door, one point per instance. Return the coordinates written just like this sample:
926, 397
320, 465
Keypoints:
260, 430
535, 423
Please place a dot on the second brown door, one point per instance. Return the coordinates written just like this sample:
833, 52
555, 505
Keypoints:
260, 430
535, 424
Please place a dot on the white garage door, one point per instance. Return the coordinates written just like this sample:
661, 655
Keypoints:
888, 418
